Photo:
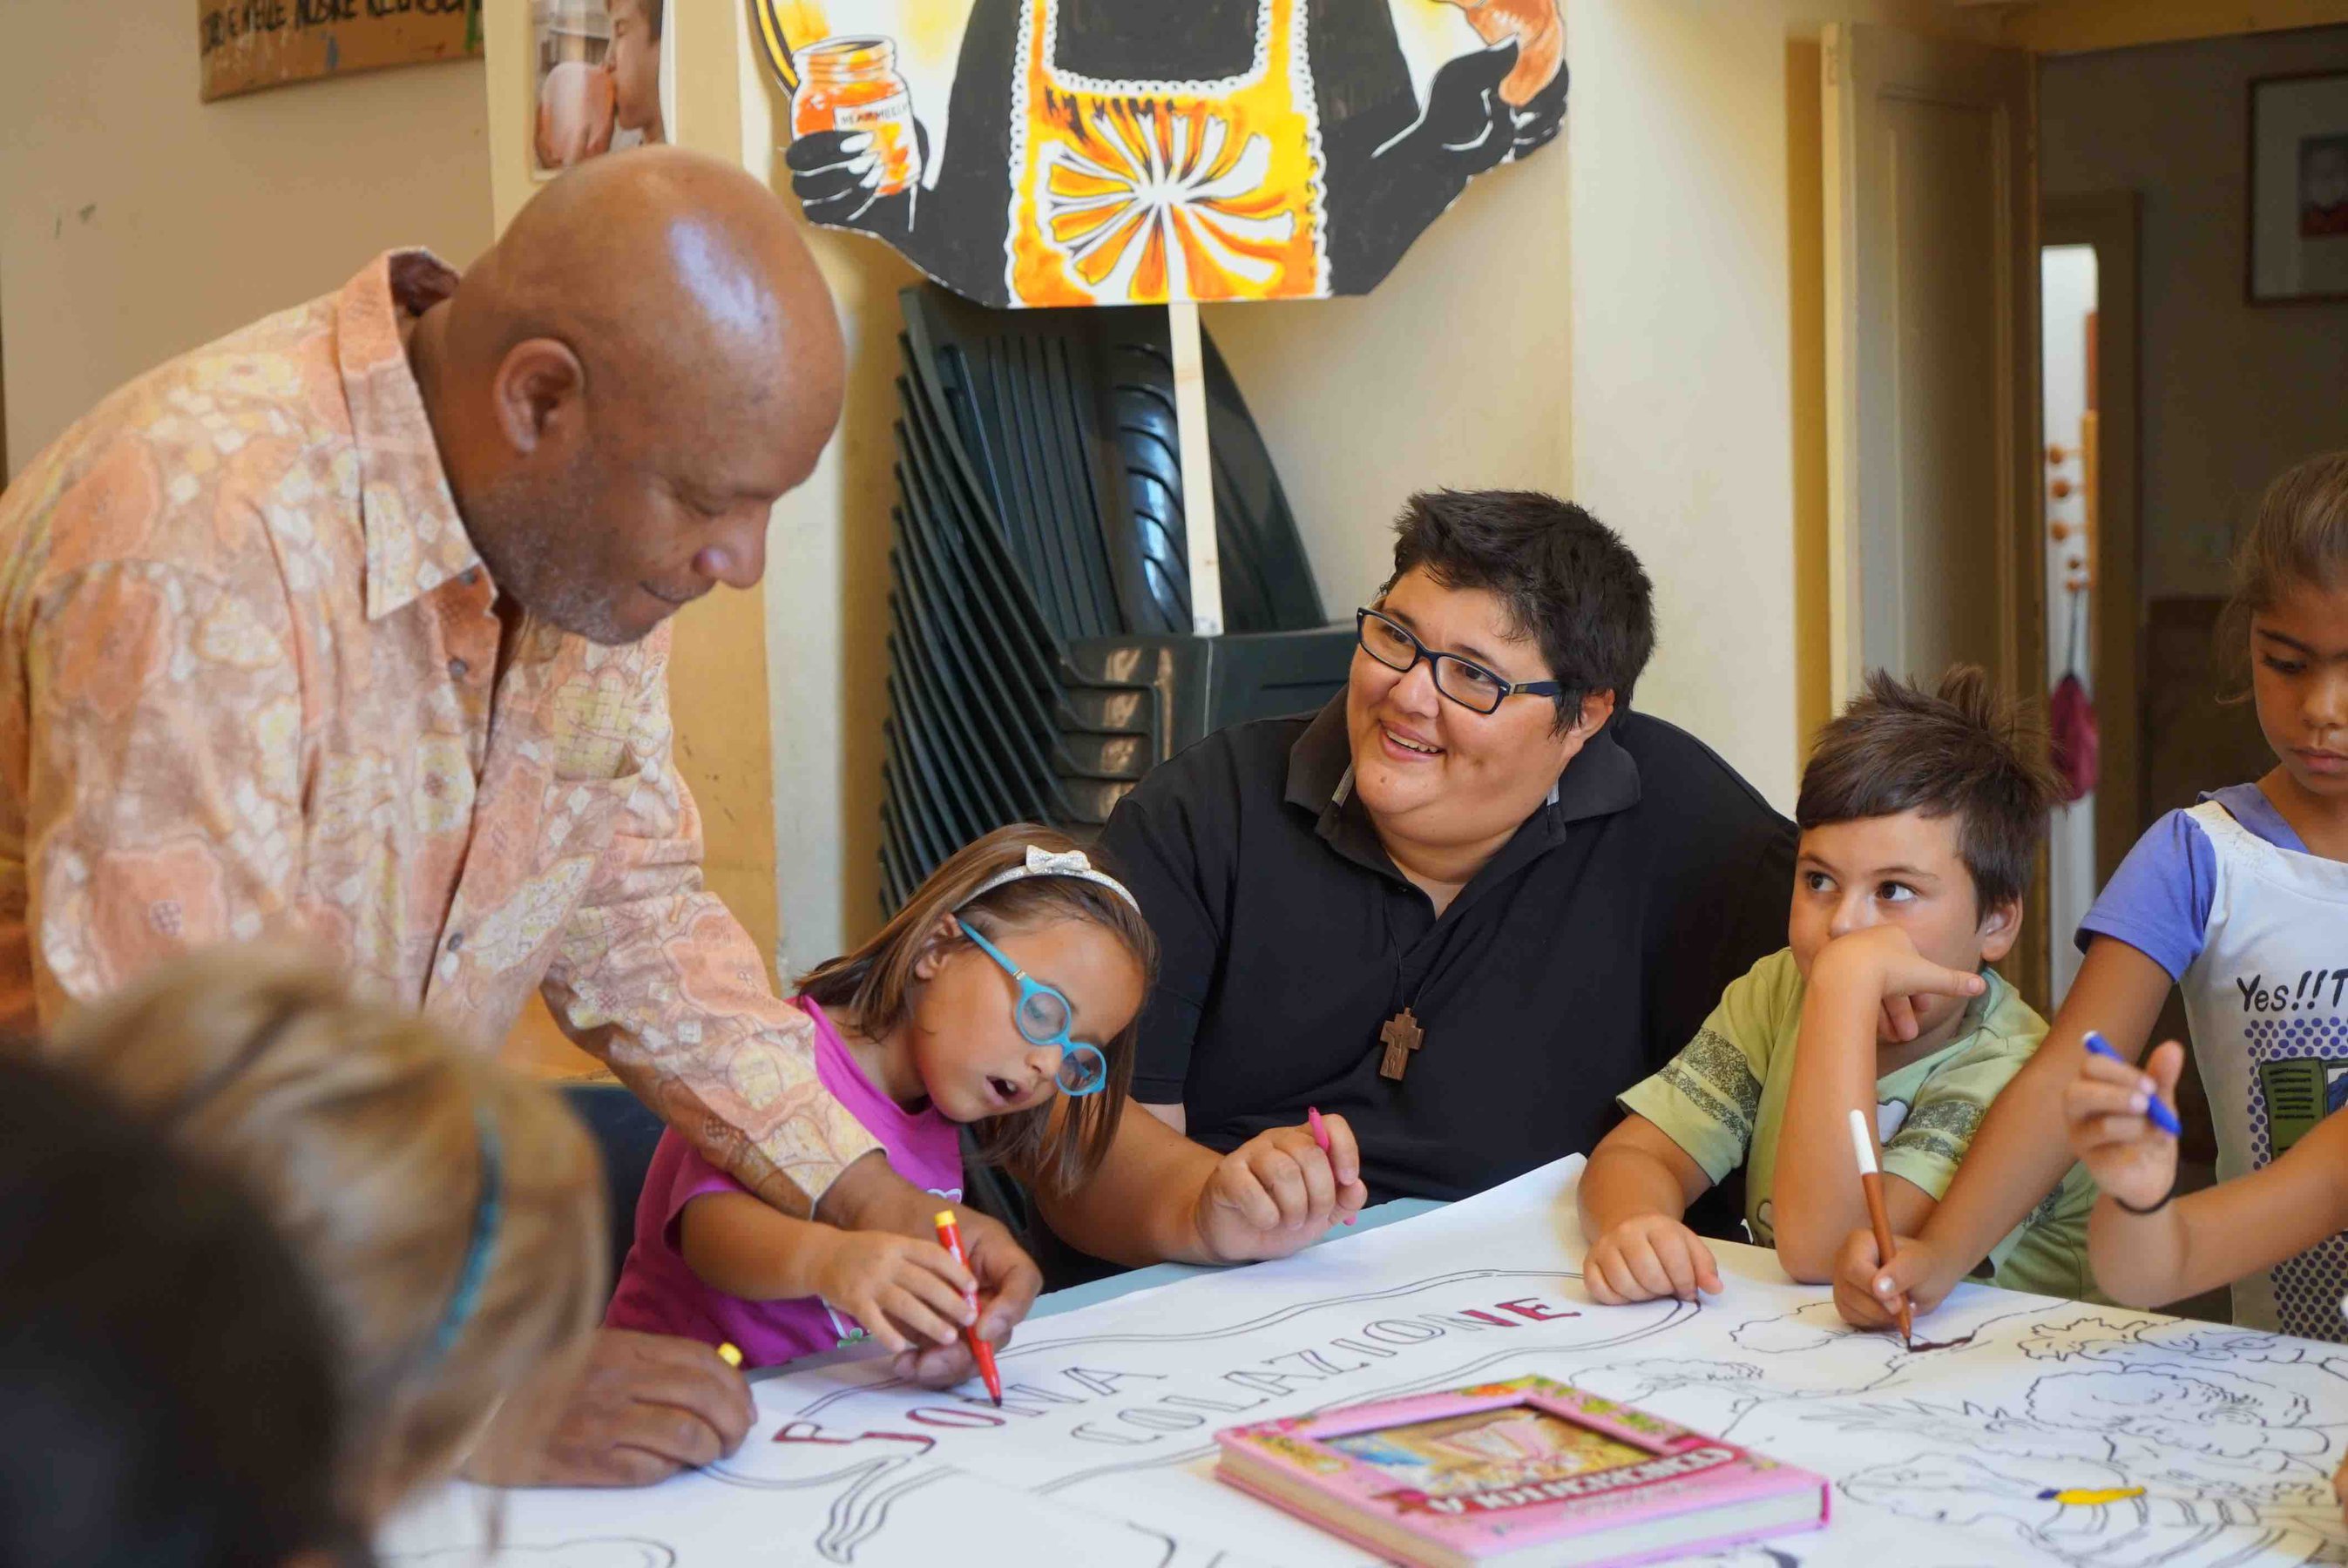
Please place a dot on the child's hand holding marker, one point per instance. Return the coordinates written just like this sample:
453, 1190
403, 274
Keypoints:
1878, 1218
905, 1291
2121, 1125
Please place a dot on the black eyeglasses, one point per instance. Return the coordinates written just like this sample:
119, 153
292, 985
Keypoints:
1463, 680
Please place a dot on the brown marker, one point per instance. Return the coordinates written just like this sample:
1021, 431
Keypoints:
1870, 1181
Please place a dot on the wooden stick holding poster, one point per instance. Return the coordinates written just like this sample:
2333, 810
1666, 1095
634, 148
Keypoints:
1198, 468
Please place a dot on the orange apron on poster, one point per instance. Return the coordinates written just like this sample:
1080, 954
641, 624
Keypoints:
1126, 192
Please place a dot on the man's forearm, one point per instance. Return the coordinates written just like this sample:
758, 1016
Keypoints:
1141, 1206
871, 1196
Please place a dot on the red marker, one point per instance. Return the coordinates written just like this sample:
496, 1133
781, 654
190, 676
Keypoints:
950, 1238
1320, 1136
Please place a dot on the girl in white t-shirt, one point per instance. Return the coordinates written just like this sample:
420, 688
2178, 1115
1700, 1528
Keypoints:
2240, 902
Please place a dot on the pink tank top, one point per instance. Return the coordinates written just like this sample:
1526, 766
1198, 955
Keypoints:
659, 1294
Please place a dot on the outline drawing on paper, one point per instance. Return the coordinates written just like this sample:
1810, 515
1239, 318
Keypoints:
1937, 1457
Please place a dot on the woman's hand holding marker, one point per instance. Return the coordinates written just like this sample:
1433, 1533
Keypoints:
2120, 1123
1281, 1190
1319, 1130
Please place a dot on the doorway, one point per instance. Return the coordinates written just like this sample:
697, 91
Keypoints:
2089, 397
1932, 328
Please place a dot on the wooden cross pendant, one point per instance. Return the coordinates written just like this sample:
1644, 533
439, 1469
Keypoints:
1401, 1036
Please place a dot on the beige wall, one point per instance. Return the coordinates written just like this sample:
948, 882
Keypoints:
136, 222
827, 590
2232, 393
1453, 373
1698, 389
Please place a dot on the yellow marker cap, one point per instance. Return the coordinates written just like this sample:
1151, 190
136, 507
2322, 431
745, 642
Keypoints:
945, 1217
731, 1355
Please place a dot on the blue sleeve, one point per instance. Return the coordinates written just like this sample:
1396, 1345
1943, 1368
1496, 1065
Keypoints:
2158, 902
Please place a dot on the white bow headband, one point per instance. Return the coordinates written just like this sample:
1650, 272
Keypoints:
1042, 862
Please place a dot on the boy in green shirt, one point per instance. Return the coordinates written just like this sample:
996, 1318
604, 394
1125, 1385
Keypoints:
1920, 814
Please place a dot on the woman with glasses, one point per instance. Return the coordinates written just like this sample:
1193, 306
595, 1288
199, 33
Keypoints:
1456, 911
1003, 997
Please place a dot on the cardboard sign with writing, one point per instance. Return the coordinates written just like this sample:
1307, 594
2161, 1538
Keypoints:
247, 45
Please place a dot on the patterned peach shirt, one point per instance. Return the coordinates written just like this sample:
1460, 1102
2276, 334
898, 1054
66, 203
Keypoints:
250, 663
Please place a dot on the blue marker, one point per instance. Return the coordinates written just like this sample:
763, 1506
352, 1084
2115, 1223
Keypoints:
2157, 1109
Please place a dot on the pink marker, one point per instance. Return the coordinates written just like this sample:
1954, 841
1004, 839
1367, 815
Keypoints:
1320, 1136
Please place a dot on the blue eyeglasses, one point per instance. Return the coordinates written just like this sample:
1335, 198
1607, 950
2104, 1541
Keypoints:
1043, 1015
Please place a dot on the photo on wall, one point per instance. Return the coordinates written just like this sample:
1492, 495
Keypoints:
605, 81
2322, 186
1115, 153
2299, 188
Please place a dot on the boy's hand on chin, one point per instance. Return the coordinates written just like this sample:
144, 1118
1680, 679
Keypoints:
1883, 961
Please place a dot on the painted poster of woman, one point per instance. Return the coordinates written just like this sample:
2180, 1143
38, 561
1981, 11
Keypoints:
1077, 152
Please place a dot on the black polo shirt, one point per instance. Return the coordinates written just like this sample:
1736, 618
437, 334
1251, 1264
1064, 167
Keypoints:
1579, 959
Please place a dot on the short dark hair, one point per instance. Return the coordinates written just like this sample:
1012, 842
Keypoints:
166, 1360
1960, 750
1569, 581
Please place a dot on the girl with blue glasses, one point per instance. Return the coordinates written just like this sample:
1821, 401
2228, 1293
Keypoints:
1001, 998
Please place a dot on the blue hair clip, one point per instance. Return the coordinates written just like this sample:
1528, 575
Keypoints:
488, 1210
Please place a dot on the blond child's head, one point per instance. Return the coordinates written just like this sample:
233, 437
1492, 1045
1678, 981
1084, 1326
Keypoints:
450, 1214
1921, 809
928, 975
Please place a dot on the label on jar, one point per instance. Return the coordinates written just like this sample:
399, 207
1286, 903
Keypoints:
894, 109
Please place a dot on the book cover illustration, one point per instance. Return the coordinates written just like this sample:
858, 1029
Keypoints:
1501, 1466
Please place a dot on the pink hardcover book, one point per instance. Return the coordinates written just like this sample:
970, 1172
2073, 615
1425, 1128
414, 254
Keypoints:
1520, 1472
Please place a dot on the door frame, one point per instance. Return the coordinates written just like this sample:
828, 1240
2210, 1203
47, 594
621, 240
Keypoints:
2109, 222
1855, 57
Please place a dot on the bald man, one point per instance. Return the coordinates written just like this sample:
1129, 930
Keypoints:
352, 626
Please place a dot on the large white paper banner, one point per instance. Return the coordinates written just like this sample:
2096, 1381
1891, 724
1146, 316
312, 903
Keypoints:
1103, 1451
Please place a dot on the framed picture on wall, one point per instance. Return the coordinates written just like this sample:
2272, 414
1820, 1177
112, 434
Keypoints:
605, 79
2299, 188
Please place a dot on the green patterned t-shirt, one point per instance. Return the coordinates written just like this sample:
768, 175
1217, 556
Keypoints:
1723, 1099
